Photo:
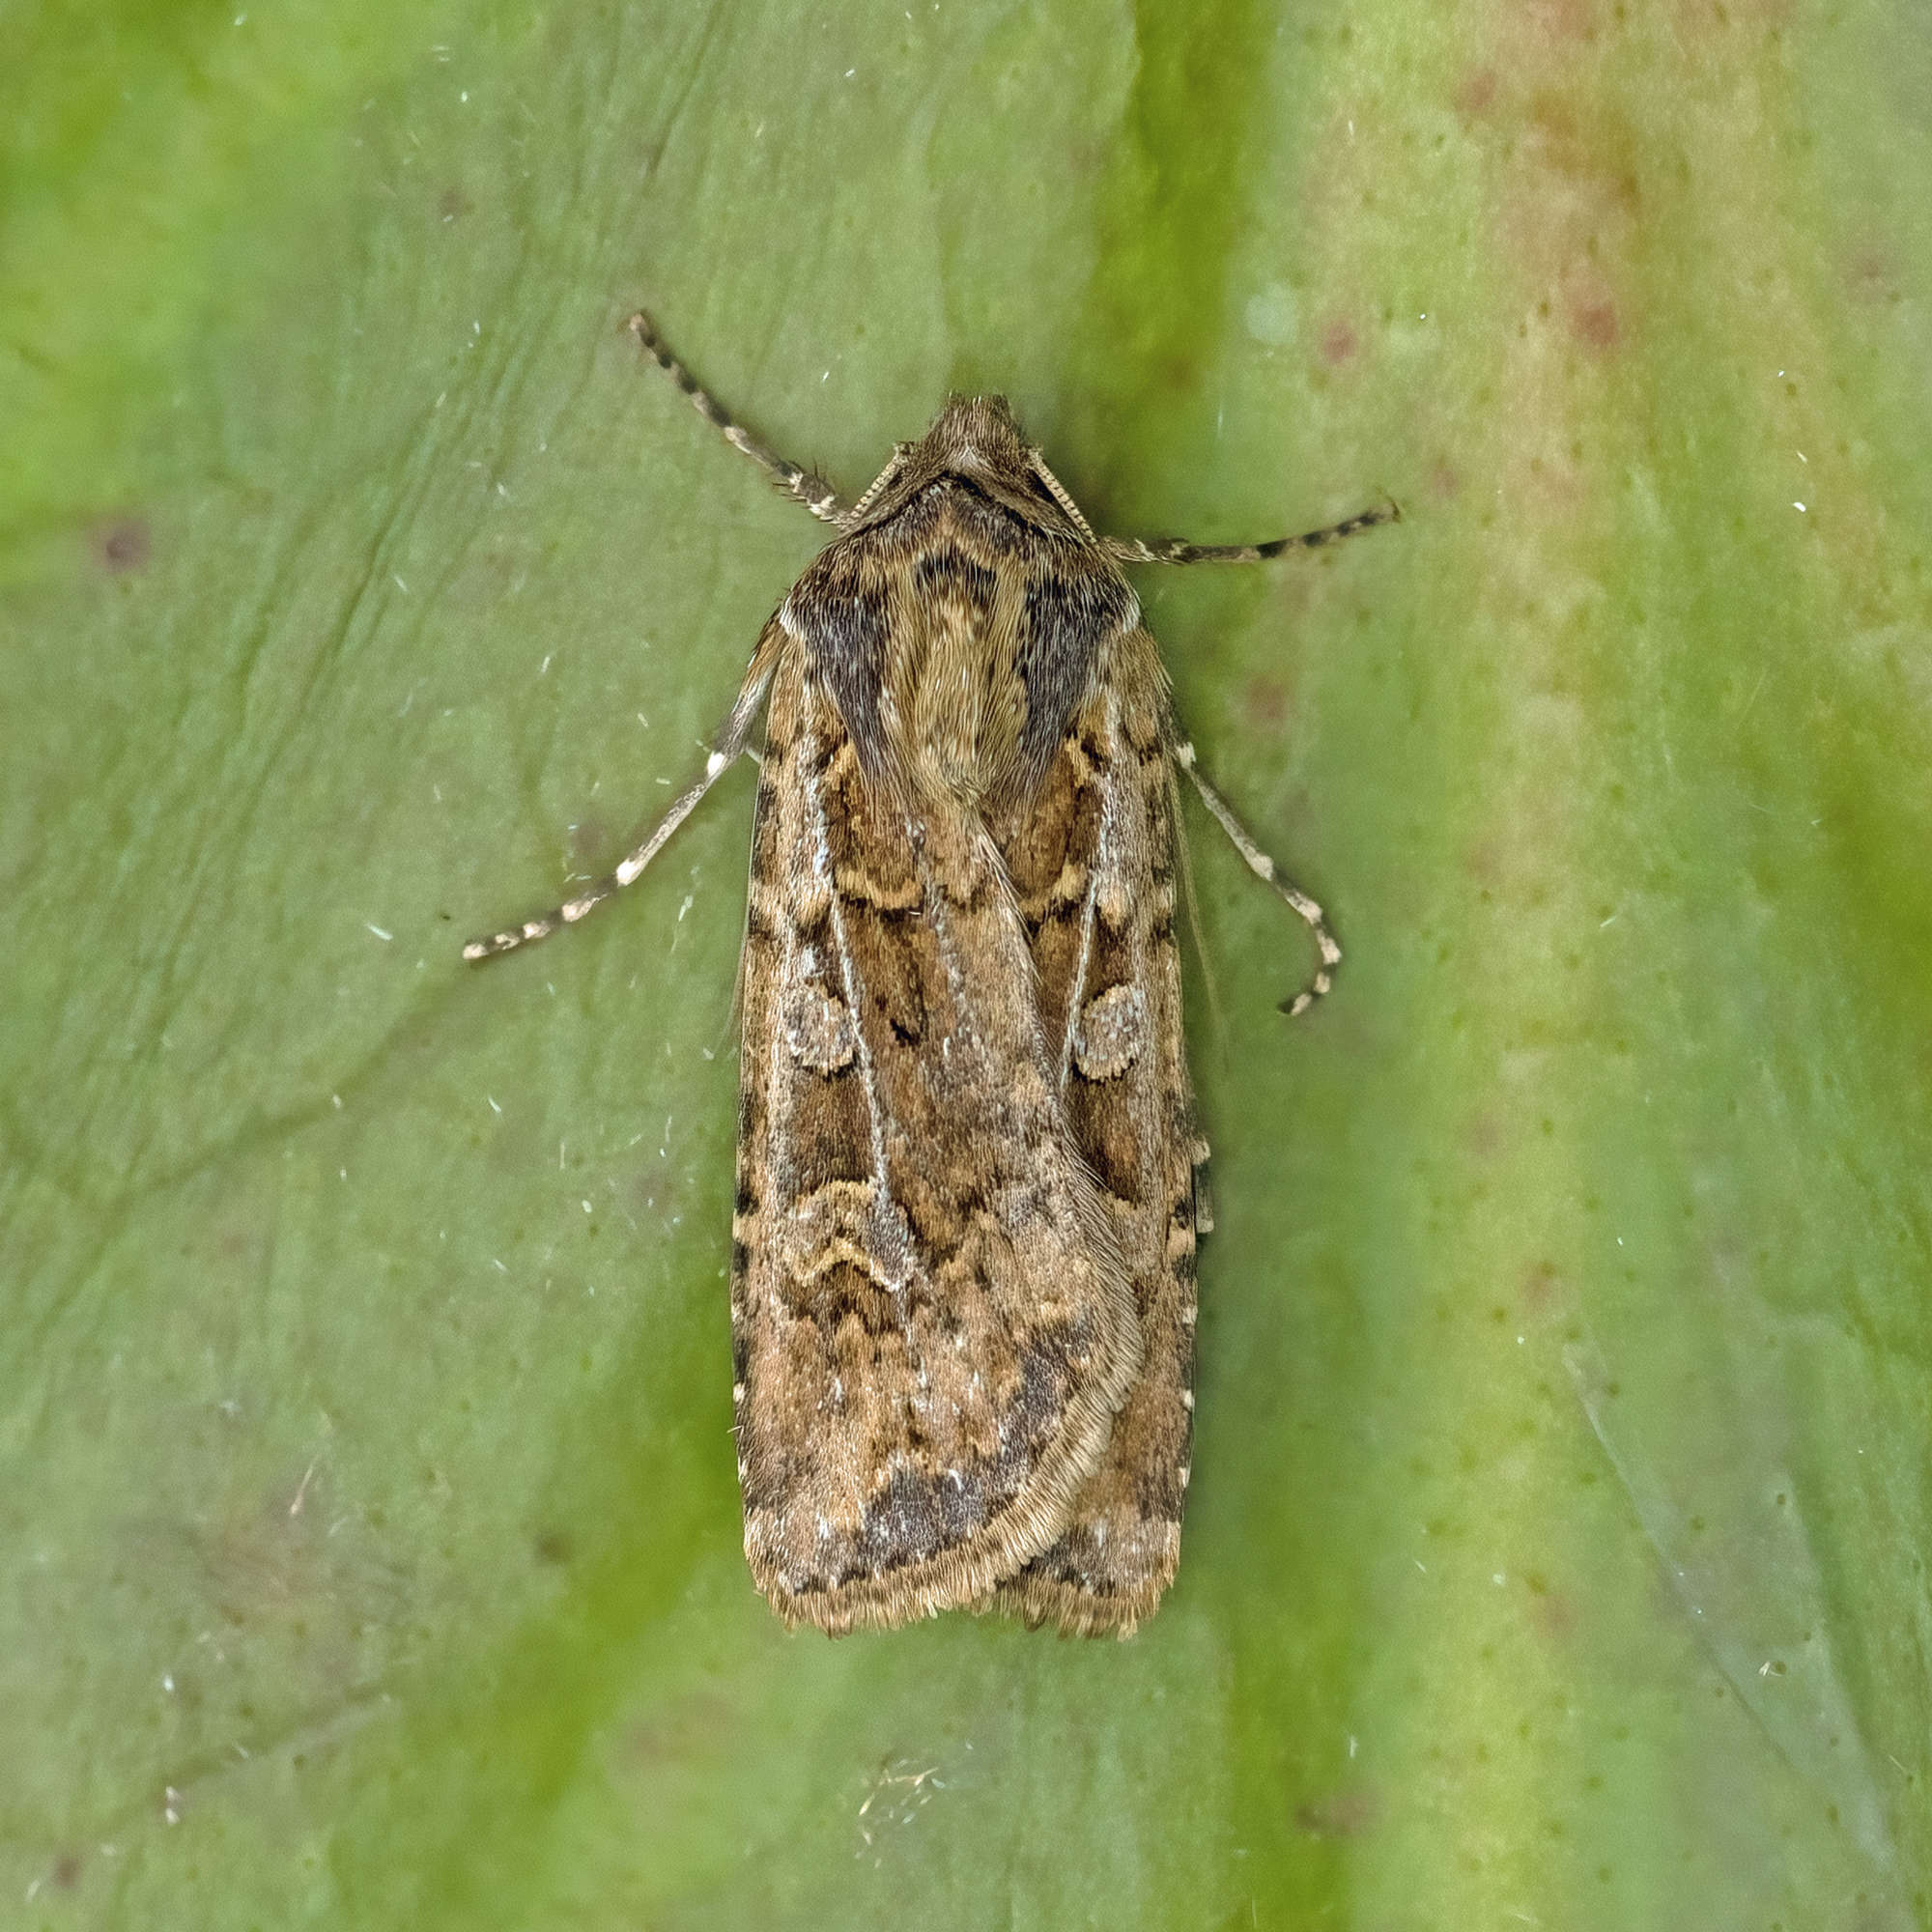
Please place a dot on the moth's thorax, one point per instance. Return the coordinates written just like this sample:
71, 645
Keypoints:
959, 625
951, 701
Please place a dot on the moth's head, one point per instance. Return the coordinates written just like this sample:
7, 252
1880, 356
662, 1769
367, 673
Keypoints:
976, 436
979, 438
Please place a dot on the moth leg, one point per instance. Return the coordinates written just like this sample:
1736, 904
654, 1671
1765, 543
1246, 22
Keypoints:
802, 486
1173, 550
728, 744
1264, 867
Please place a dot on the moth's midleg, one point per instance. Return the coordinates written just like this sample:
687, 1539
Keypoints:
802, 486
728, 744
1176, 550
1264, 868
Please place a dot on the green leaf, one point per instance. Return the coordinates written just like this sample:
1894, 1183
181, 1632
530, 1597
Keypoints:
1556, 1553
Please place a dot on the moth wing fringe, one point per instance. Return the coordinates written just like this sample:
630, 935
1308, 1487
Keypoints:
970, 1574
1037, 1601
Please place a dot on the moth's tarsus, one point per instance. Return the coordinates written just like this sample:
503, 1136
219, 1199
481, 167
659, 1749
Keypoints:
1328, 952
728, 744
962, 1281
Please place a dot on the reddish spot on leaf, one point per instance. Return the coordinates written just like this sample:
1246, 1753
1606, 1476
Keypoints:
1266, 702
1341, 1814
1338, 342
1554, 1614
1539, 1288
1595, 323
1872, 277
1178, 371
121, 545
1476, 90
1483, 862
1560, 20
1444, 482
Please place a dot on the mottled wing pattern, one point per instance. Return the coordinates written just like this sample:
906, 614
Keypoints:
962, 1283
932, 1326
1093, 860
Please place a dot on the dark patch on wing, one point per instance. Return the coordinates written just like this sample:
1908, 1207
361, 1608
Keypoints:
841, 611
921, 1514
1068, 619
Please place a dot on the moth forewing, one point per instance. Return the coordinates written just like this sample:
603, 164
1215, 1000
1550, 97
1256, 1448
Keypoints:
932, 1324
962, 1280
1095, 862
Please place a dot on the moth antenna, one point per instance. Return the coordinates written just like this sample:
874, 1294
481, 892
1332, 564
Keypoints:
802, 486
1264, 868
1175, 549
726, 747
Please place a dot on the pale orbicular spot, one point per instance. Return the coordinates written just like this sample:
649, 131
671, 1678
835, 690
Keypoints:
817, 1028
1112, 1032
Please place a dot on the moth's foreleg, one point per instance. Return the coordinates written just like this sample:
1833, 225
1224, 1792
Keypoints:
728, 744
802, 486
1264, 867
1174, 549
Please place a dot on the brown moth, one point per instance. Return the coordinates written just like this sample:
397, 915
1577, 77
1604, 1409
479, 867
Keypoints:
962, 1274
